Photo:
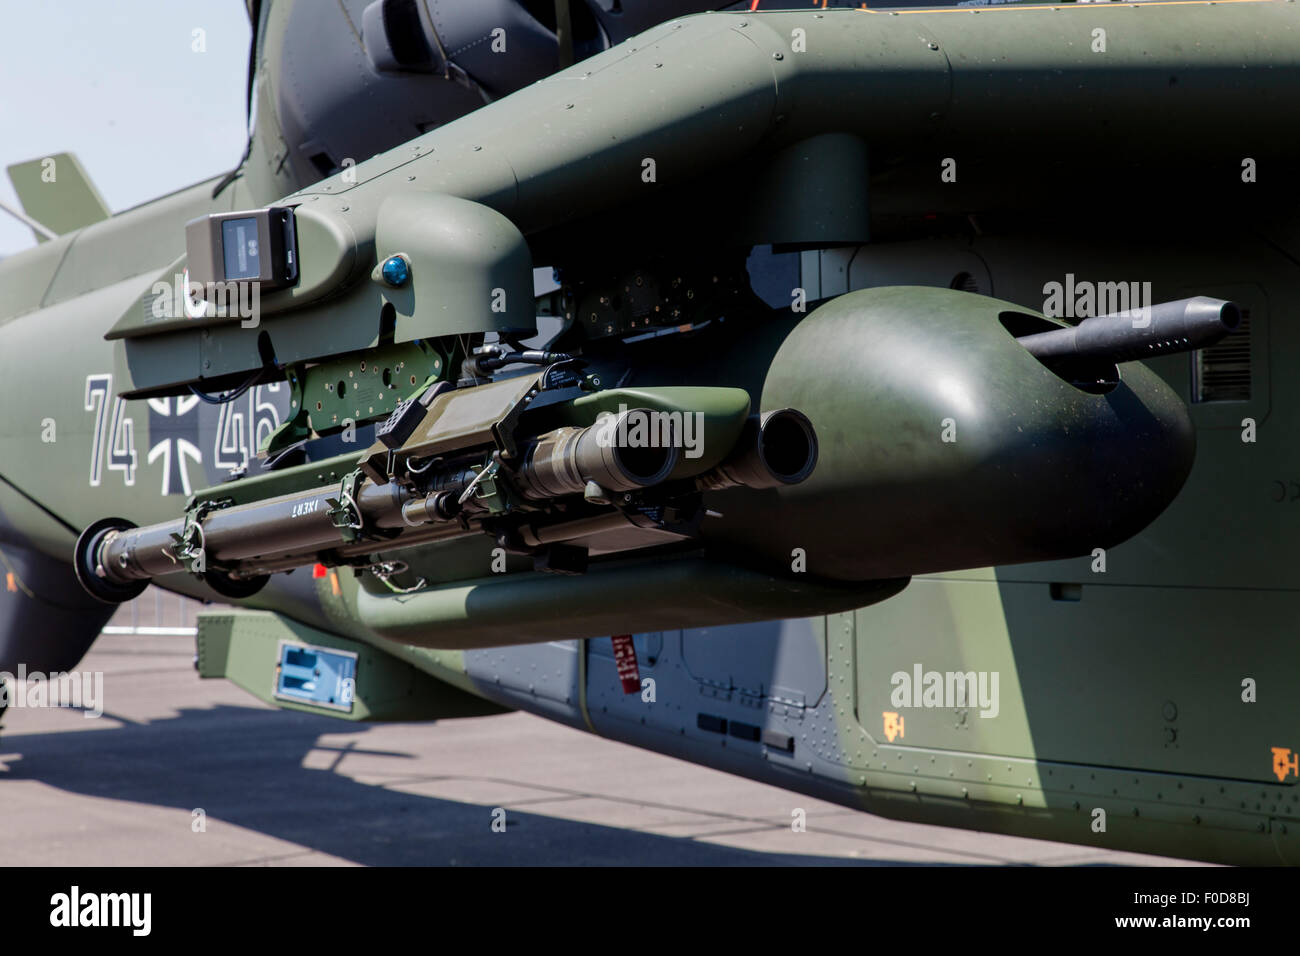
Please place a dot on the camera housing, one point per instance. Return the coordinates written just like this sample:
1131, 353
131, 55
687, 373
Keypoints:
257, 245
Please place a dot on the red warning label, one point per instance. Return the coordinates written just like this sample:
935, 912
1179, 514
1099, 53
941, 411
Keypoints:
625, 661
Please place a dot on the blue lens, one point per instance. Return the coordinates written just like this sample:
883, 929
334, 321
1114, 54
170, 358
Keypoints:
395, 271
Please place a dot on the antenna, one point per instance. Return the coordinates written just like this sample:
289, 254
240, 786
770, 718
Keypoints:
28, 221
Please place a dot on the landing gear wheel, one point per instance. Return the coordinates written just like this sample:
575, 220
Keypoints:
85, 560
233, 588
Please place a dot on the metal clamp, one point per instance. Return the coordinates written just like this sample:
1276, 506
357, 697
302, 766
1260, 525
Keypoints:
344, 512
190, 543
484, 473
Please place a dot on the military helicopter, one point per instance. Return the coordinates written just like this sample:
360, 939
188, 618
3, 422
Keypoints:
874, 402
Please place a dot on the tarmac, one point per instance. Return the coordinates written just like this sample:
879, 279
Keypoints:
180, 771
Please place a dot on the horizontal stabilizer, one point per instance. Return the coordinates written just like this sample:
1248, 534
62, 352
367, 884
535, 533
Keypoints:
56, 192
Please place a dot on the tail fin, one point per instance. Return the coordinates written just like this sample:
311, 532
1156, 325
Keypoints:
56, 192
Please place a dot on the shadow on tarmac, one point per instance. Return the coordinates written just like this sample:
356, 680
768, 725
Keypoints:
243, 766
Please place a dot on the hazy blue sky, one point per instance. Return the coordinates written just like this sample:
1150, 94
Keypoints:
118, 83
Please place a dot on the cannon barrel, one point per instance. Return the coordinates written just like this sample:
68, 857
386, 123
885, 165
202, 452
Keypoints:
1139, 333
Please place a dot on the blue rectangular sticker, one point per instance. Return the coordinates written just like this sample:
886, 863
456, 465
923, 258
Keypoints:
316, 675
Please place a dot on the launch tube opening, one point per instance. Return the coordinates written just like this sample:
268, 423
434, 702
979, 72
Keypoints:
92, 574
776, 448
788, 445
646, 465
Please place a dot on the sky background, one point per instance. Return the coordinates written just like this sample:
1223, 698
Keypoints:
117, 83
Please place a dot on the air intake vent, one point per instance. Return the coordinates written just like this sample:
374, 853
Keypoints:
1221, 373
964, 282
405, 35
